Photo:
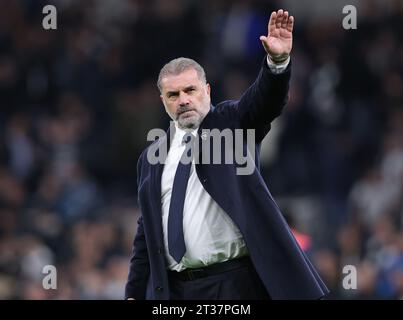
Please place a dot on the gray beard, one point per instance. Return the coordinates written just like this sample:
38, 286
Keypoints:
189, 124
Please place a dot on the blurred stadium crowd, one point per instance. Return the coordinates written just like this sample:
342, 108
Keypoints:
76, 104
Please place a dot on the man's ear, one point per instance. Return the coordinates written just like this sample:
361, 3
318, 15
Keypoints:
208, 88
162, 98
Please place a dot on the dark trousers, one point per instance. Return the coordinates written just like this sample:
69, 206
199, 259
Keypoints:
231, 280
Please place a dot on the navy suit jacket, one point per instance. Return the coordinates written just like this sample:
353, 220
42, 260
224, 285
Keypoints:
281, 264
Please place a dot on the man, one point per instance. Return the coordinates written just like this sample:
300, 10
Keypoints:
205, 231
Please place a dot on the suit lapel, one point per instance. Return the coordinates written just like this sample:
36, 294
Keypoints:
157, 169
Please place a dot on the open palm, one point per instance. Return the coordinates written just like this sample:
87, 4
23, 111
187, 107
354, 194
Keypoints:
278, 42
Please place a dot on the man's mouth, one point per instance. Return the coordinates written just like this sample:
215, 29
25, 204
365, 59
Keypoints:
185, 113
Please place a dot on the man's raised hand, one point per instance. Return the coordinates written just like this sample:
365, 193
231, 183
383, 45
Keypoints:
278, 42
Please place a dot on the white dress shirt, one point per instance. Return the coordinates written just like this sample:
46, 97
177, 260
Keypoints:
210, 234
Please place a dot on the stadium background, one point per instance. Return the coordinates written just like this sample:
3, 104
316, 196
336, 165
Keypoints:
76, 104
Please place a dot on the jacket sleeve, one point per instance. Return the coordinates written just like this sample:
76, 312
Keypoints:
139, 268
265, 99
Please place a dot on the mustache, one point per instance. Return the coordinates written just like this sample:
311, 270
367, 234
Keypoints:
183, 109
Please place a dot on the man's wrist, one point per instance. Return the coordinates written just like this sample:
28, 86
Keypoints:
277, 68
280, 59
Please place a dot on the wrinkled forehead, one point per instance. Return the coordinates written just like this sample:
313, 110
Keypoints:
176, 82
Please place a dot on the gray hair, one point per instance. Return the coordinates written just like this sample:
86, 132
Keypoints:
179, 65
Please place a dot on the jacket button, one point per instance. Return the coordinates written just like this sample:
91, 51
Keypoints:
159, 289
159, 251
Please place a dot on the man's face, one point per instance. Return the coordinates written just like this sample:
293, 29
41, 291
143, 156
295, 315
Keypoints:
186, 98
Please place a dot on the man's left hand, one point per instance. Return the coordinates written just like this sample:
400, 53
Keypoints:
278, 42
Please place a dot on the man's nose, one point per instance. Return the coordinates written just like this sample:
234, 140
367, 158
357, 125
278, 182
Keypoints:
183, 99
